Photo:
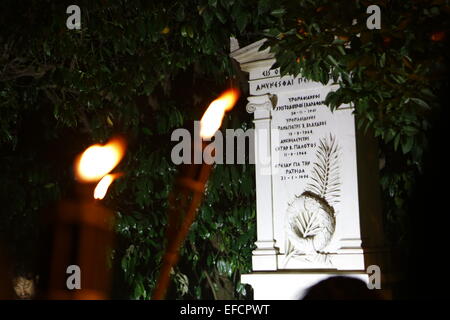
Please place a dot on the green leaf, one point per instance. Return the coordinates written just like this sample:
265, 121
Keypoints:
333, 60
263, 6
383, 60
434, 11
190, 31
207, 17
408, 144
220, 15
184, 31
341, 50
410, 131
124, 263
427, 92
272, 32
396, 141
46, 49
421, 103
180, 13
389, 135
278, 12
241, 21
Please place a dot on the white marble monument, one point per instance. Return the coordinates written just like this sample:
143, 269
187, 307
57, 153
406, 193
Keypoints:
308, 208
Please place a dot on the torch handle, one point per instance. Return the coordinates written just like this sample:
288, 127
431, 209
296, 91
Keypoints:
176, 237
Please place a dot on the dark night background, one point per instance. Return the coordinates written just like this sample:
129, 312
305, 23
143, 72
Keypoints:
142, 69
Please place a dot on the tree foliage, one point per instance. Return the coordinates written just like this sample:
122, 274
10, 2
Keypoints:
393, 76
138, 68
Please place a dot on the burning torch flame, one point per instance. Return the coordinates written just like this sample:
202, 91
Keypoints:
103, 185
213, 116
97, 161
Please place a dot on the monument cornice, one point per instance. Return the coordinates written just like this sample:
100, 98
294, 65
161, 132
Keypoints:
250, 57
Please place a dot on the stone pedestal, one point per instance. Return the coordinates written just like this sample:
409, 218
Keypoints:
309, 220
284, 285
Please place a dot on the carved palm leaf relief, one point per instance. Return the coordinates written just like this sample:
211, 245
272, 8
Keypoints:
311, 218
325, 180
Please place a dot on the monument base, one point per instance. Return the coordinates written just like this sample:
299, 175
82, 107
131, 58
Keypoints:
288, 285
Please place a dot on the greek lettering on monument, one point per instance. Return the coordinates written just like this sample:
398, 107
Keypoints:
298, 114
278, 84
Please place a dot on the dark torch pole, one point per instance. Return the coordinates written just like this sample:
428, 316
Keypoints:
188, 191
80, 231
186, 197
80, 234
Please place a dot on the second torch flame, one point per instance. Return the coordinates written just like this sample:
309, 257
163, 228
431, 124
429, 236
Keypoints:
97, 161
103, 185
213, 116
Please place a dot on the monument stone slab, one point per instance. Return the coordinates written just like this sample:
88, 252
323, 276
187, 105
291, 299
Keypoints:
308, 215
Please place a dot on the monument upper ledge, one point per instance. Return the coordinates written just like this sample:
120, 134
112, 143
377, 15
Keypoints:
250, 57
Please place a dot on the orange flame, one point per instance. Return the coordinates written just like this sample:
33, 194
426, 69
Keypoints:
103, 185
97, 161
213, 116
